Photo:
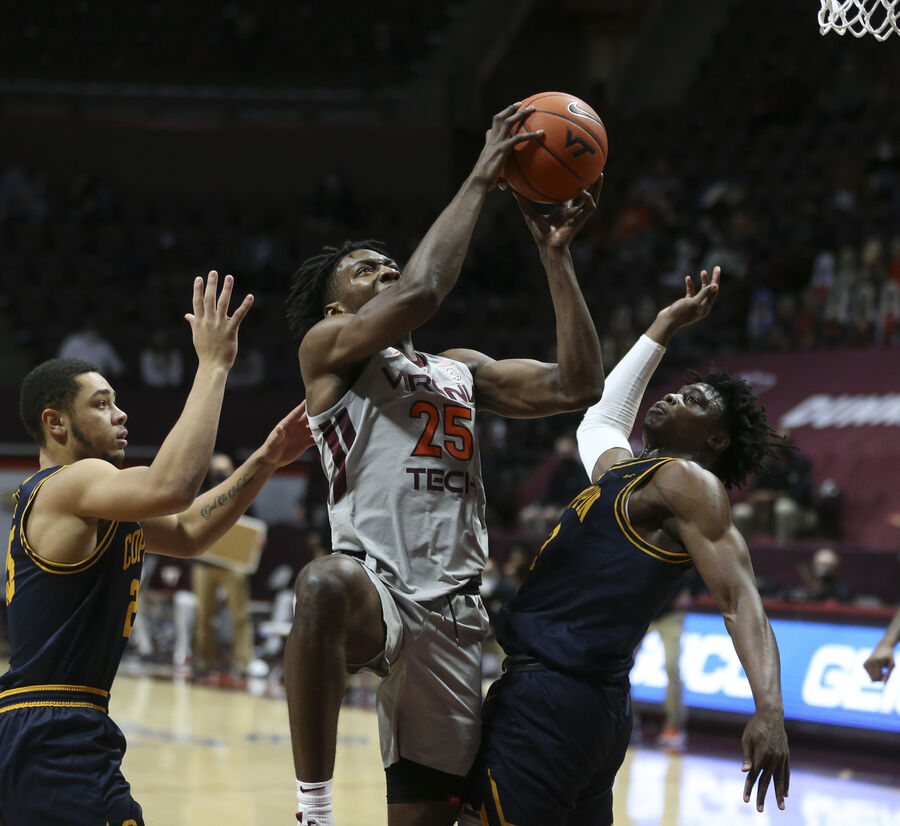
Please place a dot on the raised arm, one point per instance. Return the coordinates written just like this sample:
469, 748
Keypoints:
432, 270
701, 520
212, 514
524, 388
603, 435
880, 662
93, 488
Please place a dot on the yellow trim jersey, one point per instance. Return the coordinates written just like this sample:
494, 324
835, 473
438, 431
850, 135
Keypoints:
596, 584
68, 623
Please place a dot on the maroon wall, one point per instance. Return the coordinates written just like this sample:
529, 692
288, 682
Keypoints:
843, 410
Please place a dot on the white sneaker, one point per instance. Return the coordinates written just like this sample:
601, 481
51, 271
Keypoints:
313, 818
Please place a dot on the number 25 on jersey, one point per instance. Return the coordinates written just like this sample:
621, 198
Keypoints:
455, 437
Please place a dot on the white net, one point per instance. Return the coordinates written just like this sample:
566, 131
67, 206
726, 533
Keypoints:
877, 18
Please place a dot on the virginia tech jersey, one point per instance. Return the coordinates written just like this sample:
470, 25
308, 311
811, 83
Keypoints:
401, 457
596, 585
69, 623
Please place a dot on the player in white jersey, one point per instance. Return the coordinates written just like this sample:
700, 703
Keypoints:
396, 431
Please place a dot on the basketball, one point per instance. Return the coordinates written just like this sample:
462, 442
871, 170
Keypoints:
569, 157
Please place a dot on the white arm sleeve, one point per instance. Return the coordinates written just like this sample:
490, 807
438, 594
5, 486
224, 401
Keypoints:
608, 423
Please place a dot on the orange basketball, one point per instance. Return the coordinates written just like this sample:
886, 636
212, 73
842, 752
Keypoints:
569, 157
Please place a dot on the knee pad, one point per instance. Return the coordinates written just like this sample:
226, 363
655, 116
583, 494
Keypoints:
409, 782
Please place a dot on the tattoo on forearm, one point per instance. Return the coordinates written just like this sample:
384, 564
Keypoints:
223, 498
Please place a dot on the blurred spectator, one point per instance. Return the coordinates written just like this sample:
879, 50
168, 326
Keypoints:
249, 368
161, 364
781, 499
821, 581
208, 580
88, 345
312, 506
515, 567
669, 624
318, 544
557, 481
496, 589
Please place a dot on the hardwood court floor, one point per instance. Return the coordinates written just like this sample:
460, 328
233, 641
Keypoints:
203, 755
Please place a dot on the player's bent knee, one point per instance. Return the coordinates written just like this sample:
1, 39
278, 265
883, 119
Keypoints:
333, 587
328, 578
410, 782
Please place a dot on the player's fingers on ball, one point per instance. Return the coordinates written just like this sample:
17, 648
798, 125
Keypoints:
517, 117
521, 137
505, 113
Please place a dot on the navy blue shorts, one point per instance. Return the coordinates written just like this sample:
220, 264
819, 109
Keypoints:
62, 765
550, 749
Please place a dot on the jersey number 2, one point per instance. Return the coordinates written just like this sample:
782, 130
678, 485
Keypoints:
459, 443
132, 608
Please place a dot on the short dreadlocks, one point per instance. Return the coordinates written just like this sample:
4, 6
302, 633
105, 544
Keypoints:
313, 285
745, 421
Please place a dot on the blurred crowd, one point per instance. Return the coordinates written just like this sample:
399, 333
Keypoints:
207, 42
787, 176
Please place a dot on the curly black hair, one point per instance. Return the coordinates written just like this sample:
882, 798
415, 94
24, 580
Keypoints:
313, 285
53, 384
745, 421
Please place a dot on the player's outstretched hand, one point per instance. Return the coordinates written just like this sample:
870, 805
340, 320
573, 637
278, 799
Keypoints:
215, 332
498, 143
289, 439
880, 663
557, 227
696, 304
766, 758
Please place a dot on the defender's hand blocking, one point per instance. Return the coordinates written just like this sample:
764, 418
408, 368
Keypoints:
214, 332
289, 439
766, 757
498, 143
556, 229
695, 304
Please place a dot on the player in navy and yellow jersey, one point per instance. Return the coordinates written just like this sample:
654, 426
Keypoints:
556, 725
80, 529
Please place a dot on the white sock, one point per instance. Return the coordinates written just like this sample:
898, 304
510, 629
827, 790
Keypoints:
314, 803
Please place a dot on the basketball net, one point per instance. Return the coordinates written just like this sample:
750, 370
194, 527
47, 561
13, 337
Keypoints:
860, 17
